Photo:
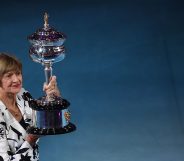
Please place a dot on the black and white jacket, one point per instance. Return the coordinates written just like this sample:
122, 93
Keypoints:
13, 146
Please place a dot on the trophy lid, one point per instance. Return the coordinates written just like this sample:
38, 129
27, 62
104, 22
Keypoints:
47, 36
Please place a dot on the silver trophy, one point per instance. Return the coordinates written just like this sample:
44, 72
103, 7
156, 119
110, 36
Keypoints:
50, 114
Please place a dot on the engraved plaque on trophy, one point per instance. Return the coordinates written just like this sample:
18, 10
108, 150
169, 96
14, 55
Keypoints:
50, 114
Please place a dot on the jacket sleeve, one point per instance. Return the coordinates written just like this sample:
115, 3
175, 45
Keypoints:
24, 153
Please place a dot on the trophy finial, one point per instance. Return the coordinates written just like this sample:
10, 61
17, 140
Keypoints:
46, 19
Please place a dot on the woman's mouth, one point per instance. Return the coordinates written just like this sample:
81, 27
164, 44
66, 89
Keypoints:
16, 85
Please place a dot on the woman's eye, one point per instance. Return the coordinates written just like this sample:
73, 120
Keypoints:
8, 75
18, 73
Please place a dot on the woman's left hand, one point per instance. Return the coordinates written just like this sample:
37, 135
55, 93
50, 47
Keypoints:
51, 89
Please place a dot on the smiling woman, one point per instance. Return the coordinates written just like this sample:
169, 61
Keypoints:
15, 114
11, 82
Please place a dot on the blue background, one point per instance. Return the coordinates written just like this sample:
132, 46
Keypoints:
123, 74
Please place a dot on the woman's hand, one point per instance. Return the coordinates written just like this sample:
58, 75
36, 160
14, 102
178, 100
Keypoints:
51, 89
31, 139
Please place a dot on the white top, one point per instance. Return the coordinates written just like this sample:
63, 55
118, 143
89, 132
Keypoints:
13, 146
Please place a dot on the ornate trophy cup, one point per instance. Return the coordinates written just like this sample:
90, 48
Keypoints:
50, 114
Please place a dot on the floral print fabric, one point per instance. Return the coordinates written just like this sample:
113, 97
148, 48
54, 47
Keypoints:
13, 146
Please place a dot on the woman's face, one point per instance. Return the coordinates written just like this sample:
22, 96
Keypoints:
12, 82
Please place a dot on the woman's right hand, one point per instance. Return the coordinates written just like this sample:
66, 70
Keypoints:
52, 89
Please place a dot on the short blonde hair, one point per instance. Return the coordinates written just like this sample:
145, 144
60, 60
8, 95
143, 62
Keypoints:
9, 63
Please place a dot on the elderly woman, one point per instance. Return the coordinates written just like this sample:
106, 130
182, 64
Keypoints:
15, 113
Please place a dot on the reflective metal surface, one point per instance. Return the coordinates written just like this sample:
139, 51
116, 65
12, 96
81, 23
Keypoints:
50, 119
47, 44
44, 54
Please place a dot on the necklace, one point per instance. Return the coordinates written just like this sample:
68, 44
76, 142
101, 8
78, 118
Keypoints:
12, 108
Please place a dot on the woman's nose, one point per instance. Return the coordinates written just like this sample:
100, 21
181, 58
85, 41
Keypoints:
15, 77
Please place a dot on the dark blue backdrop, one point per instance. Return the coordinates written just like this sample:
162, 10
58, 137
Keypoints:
123, 74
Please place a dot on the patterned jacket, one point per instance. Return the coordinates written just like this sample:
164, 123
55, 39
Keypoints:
13, 146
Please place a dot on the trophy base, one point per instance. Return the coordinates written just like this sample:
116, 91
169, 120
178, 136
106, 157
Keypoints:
51, 131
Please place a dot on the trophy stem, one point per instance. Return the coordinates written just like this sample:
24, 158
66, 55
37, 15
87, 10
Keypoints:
48, 75
48, 71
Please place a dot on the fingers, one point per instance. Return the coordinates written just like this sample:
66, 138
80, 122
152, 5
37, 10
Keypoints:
53, 81
51, 88
52, 84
